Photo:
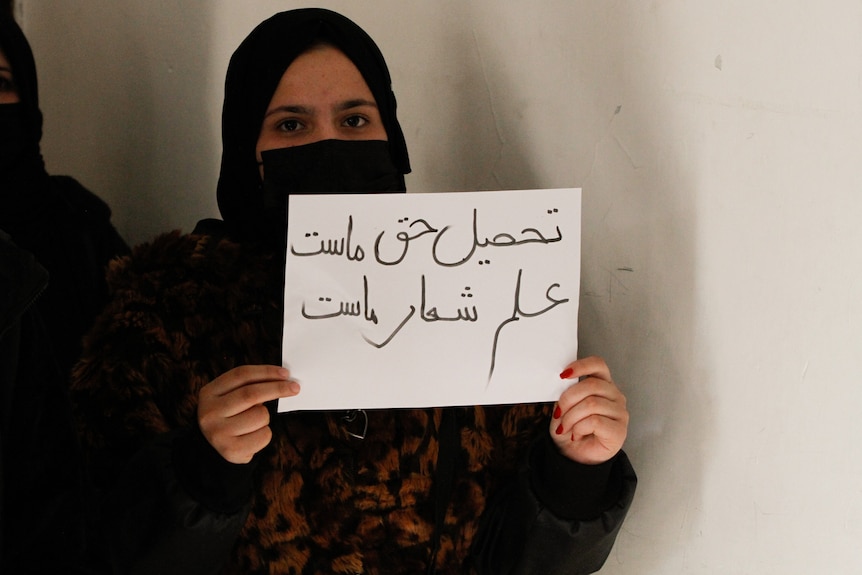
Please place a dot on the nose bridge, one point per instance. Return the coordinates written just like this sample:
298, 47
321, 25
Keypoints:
327, 128
327, 131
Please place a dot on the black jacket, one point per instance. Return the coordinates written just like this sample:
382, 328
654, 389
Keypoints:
41, 486
317, 500
65, 226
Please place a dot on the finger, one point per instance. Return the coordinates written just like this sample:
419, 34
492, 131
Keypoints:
608, 432
589, 366
242, 449
243, 423
591, 440
580, 391
245, 374
593, 405
242, 398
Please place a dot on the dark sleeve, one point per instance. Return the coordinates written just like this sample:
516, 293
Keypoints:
556, 516
73, 238
161, 517
42, 496
166, 502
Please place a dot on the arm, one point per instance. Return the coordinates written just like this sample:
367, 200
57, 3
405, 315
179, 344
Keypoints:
562, 511
149, 518
166, 496
152, 523
179, 503
521, 534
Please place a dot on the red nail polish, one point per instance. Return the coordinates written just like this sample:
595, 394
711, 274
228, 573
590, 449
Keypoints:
567, 373
558, 412
560, 429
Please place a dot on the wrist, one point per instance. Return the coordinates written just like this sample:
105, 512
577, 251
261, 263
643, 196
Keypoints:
209, 478
571, 490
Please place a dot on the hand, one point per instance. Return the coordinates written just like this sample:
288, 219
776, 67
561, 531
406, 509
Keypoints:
590, 420
231, 410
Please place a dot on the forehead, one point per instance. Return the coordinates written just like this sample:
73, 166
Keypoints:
323, 69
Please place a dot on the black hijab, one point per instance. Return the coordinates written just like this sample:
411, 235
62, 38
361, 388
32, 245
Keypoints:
254, 72
64, 225
22, 122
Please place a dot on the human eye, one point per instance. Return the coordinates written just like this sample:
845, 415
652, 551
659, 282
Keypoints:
7, 84
289, 125
355, 121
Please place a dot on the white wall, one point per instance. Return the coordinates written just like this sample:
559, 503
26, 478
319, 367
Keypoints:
718, 147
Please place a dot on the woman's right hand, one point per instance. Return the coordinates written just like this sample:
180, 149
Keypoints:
231, 410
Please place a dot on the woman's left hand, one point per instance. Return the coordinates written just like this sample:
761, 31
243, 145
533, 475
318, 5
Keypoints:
590, 420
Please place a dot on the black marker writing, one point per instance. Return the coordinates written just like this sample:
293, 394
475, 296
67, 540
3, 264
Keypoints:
394, 333
354, 309
432, 315
499, 240
347, 308
405, 238
336, 247
517, 315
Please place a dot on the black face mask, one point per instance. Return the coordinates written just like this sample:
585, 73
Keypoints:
329, 167
325, 167
14, 140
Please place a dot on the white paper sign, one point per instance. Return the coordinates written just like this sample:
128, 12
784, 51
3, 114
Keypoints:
420, 300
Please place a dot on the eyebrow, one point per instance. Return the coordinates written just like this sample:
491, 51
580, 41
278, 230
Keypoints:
357, 103
305, 110
291, 109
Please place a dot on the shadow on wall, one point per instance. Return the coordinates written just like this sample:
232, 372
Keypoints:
124, 98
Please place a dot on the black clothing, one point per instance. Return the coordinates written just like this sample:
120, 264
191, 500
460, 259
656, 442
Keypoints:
60, 240
472, 490
41, 484
316, 500
66, 227
252, 76
325, 167
17, 51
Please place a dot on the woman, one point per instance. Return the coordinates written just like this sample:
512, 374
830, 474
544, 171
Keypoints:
66, 227
173, 391
55, 242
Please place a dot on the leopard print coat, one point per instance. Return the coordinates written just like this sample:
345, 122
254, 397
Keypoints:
187, 308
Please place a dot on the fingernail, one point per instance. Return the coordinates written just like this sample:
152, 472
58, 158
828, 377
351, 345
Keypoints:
558, 412
559, 429
567, 373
